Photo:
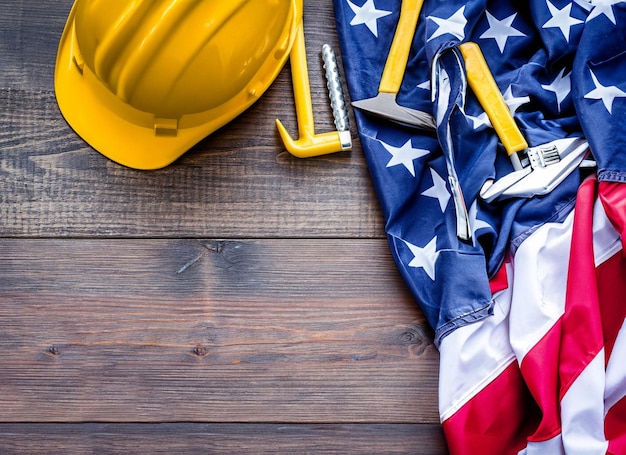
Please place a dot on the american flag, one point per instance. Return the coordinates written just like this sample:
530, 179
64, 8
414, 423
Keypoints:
529, 315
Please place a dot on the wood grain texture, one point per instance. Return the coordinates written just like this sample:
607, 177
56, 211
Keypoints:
185, 438
220, 331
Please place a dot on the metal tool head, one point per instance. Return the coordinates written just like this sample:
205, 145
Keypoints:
492, 190
384, 105
538, 181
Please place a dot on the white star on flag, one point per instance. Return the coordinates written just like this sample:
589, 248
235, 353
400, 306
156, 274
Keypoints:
424, 257
368, 15
438, 190
514, 102
604, 7
454, 25
561, 19
605, 93
501, 30
425, 85
404, 155
480, 121
561, 86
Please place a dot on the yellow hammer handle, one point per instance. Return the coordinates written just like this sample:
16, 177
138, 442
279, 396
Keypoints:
486, 90
400, 46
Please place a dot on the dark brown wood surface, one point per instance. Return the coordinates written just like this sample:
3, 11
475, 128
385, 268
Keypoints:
238, 301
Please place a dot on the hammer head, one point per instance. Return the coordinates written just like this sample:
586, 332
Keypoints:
384, 105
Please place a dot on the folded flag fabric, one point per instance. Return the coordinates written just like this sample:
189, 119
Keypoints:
561, 67
546, 373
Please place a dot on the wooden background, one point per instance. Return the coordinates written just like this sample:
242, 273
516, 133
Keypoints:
239, 301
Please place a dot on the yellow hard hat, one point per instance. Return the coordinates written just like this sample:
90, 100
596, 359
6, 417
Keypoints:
142, 81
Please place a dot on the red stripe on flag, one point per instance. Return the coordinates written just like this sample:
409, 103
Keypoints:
615, 428
542, 366
540, 370
500, 281
611, 276
495, 421
582, 338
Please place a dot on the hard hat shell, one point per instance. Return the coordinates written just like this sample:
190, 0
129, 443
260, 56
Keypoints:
142, 81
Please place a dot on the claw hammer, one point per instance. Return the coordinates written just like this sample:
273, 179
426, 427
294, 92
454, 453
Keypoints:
310, 143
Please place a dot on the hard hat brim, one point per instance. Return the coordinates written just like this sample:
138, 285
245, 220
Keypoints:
94, 112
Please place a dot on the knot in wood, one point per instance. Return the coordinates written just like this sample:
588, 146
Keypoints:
200, 351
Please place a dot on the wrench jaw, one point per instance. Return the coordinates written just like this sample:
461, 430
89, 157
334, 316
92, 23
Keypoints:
494, 189
535, 157
543, 156
539, 180
537, 170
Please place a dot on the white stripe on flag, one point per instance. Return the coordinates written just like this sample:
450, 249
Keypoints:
606, 240
472, 356
552, 446
539, 284
582, 412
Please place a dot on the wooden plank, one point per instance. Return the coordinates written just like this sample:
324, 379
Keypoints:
29, 37
314, 331
238, 181
185, 438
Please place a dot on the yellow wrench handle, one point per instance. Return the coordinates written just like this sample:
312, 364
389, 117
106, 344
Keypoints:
398, 57
486, 90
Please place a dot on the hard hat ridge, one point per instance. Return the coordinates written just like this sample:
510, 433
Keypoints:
143, 81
